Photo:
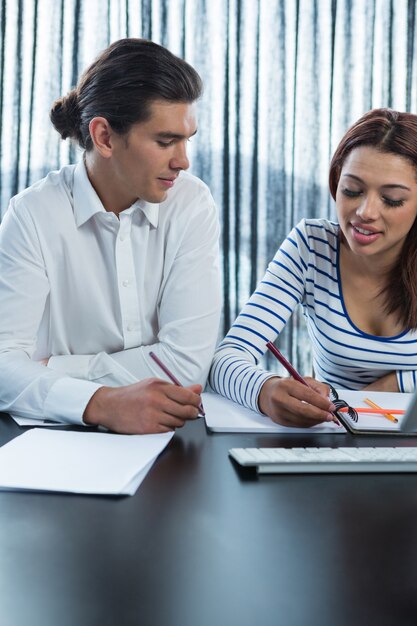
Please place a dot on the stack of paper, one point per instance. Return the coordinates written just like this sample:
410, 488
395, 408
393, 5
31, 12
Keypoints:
78, 462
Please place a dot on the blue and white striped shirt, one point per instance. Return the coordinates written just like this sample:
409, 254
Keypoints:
305, 271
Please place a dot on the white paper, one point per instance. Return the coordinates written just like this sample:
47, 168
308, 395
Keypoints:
78, 462
224, 415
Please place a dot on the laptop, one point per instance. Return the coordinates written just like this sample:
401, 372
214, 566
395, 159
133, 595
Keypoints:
409, 421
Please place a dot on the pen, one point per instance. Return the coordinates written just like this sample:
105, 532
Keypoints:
172, 377
389, 416
290, 369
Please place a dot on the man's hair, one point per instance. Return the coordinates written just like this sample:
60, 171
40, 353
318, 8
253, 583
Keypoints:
120, 85
389, 132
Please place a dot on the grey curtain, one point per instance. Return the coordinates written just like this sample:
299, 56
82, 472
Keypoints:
283, 81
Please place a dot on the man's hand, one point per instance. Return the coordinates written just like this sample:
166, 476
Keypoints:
290, 403
149, 406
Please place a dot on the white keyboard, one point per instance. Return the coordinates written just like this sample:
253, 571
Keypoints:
326, 460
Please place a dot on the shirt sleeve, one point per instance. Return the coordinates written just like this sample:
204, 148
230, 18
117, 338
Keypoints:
27, 388
188, 315
407, 380
235, 372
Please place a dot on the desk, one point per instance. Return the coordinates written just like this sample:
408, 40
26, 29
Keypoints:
205, 543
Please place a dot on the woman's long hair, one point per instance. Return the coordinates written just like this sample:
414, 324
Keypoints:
390, 132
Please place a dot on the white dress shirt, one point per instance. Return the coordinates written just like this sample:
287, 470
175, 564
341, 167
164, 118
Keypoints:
99, 293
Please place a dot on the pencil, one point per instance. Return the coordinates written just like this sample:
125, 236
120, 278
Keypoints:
172, 378
389, 416
361, 409
281, 358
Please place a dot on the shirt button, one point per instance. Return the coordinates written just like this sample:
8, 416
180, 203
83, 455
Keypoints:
130, 327
122, 237
126, 283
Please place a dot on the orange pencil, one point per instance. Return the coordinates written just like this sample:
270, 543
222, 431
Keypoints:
378, 411
389, 416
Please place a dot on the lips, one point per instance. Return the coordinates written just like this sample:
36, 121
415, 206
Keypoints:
364, 235
364, 230
168, 181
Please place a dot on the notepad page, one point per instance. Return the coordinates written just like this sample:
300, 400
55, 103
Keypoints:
384, 399
224, 415
78, 462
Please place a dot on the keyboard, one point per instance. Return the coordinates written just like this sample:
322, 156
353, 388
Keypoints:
326, 460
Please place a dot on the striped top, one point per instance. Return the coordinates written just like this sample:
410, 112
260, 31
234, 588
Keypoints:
305, 271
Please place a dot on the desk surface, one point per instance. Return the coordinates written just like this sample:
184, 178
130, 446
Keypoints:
205, 543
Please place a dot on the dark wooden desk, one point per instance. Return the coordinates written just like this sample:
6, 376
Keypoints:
204, 543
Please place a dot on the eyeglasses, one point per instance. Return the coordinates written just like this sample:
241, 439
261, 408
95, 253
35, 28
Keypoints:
341, 404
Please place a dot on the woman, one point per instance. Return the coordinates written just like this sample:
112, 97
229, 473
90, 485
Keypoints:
356, 281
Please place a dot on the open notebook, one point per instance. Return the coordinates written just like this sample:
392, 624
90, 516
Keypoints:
375, 423
223, 415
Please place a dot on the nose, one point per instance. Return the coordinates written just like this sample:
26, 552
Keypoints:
179, 160
368, 209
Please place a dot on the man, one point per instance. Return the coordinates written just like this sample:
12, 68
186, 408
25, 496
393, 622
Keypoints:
117, 256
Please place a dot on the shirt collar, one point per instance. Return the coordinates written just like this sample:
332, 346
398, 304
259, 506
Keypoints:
87, 203
150, 211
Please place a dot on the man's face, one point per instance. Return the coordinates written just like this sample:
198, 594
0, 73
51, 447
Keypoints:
147, 161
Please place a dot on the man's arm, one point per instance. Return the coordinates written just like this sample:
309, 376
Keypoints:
27, 388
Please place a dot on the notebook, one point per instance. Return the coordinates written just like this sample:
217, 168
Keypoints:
373, 423
226, 416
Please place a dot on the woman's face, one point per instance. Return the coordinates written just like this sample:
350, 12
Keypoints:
376, 202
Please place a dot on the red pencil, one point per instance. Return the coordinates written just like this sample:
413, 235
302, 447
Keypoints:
290, 369
172, 377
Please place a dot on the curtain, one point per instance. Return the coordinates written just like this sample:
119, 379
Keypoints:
283, 81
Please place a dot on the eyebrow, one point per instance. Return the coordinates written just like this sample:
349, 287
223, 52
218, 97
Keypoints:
388, 186
168, 135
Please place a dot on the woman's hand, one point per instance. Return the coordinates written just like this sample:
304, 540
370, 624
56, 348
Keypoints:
290, 403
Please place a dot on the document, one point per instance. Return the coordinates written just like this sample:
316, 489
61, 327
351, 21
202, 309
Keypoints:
225, 416
78, 462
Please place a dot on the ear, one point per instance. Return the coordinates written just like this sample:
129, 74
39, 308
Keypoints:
101, 134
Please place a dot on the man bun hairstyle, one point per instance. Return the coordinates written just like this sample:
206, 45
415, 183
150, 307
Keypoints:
120, 85
65, 116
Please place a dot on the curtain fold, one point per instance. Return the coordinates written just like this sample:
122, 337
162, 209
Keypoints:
283, 81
